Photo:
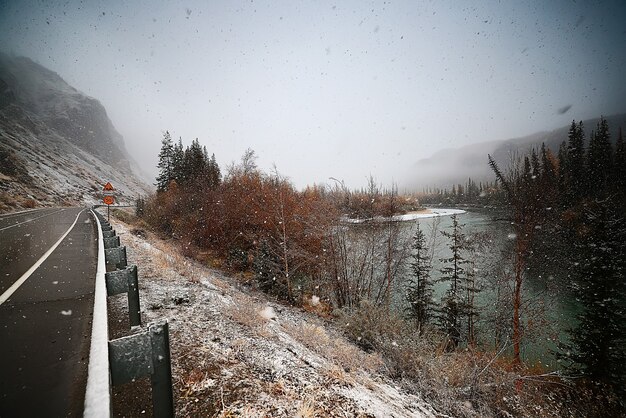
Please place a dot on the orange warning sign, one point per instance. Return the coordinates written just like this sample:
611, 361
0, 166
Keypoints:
108, 200
108, 187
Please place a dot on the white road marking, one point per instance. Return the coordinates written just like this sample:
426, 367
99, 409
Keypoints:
98, 391
7, 294
30, 220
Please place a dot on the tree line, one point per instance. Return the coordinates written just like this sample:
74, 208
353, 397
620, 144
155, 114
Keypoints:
468, 193
569, 211
188, 167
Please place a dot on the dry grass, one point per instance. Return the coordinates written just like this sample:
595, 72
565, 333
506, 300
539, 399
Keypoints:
464, 383
305, 410
125, 215
251, 315
186, 269
222, 285
343, 354
10, 202
6, 202
335, 375
161, 261
313, 304
168, 261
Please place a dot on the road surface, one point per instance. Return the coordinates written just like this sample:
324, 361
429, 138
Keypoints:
47, 272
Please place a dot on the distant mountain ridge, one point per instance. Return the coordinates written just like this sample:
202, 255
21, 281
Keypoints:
455, 165
57, 144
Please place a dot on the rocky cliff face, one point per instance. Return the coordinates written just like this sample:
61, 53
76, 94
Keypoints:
56, 144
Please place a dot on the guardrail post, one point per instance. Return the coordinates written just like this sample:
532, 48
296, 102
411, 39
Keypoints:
111, 242
116, 257
140, 355
134, 311
162, 394
130, 358
125, 281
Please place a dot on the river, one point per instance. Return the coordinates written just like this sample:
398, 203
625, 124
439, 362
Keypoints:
547, 313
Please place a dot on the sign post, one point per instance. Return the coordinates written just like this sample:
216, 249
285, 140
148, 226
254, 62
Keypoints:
109, 198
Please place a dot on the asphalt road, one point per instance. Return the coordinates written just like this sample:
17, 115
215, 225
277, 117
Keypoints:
46, 308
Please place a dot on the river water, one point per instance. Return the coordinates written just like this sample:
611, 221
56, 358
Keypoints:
547, 313
548, 310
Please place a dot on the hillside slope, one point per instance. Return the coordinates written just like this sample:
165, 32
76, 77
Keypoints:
57, 146
237, 352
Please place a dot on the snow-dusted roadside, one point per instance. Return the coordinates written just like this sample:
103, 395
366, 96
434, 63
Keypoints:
236, 352
412, 216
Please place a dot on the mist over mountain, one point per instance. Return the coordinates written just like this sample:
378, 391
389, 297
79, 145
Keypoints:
58, 144
455, 165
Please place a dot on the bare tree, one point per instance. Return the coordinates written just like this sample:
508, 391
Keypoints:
367, 261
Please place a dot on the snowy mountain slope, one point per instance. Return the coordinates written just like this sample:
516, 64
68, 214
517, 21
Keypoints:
57, 146
455, 165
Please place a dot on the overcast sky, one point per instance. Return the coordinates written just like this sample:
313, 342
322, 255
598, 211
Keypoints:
338, 89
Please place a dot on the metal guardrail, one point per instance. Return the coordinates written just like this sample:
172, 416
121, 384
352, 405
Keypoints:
125, 281
145, 353
111, 242
114, 206
115, 257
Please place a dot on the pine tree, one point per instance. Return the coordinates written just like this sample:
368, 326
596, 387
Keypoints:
178, 158
472, 190
534, 163
527, 182
563, 175
420, 291
214, 173
165, 164
472, 249
548, 167
194, 165
619, 168
453, 309
600, 161
576, 162
548, 179
597, 347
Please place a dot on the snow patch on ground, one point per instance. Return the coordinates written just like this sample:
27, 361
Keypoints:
268, 313
428, 213
432, 213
